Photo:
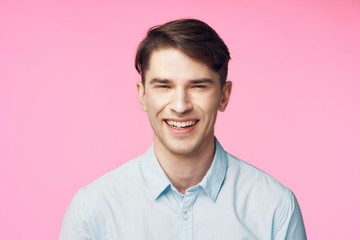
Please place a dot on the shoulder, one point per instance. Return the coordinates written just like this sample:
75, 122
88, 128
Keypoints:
261, 193
264, 200
111, 192
119, 179
112, 186
251, 180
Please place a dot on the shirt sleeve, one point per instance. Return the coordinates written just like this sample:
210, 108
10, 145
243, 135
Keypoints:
289, 224
79, 223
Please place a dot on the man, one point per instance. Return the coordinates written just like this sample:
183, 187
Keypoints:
185, 186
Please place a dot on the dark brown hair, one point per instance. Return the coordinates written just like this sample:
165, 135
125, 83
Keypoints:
193, 37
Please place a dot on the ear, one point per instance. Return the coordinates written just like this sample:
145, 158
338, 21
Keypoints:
141, 95
225, 96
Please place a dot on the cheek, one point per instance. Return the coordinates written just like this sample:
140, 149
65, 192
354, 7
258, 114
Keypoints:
209, 103
155, 103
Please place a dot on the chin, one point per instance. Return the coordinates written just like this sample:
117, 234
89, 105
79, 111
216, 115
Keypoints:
184, 150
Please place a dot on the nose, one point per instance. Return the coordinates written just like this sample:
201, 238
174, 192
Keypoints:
181, 102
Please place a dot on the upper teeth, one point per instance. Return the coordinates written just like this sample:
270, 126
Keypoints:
181, 124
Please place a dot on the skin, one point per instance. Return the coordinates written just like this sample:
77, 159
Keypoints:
180, 89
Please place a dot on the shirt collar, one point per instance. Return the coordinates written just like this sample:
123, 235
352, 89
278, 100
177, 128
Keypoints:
211, 183
153, 173
214, 178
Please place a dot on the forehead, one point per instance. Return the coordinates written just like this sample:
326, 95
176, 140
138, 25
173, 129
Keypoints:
172, 64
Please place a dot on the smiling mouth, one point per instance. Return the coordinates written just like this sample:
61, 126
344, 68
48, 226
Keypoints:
181, 125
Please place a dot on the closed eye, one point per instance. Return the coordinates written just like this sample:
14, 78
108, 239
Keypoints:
162, 86
199, 86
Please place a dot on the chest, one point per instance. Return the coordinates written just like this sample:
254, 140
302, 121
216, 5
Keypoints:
187, 219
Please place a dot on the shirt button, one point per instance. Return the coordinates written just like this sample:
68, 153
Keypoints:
185, 216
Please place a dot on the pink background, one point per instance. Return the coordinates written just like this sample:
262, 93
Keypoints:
69, 112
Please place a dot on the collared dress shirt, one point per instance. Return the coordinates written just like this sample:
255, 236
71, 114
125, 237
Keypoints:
137, 201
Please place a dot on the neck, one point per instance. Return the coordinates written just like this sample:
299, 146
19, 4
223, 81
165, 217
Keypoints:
185, 171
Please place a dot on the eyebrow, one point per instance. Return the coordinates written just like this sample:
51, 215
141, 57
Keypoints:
159, 80
194, 81
202, 80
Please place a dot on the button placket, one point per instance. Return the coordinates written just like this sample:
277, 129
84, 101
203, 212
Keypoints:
185, 216
186, 231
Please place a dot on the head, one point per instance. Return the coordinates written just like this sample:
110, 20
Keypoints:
183, 66
193, 37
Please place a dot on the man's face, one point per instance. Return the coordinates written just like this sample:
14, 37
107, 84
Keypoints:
182, 97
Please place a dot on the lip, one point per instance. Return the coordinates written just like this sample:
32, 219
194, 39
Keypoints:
181, 131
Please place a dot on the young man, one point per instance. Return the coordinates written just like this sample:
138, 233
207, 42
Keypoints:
185, 186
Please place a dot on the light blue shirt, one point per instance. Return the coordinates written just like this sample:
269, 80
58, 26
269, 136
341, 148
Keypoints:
137, 202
